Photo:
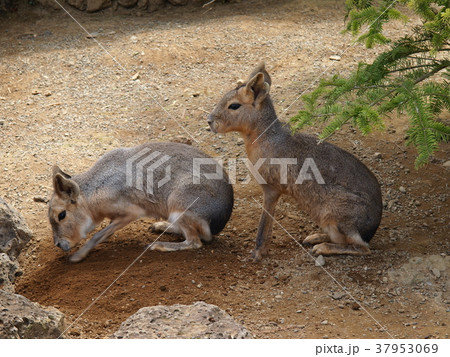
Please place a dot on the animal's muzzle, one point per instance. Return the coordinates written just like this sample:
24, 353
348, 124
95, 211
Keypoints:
64, 245
211, 123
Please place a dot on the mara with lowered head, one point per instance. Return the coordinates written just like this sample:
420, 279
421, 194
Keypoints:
343, 196
153, 180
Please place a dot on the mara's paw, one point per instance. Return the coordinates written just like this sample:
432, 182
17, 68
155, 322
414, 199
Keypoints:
256, 255
340, 249
159, 227
77, 257
316, 238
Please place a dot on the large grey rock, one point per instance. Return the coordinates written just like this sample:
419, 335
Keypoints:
96, 5
9, 270
142, 4
178, 2
200, 320
79, 4
14, 232
21, 318
154, 5
127, 3
421, 270
51, 4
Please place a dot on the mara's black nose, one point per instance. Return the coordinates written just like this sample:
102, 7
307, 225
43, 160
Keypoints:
58, 244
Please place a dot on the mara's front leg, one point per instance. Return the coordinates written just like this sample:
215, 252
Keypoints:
270, 197
100, 236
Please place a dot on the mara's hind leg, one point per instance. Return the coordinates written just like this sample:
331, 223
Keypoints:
316, 238
340, 249
194, 229
349, 244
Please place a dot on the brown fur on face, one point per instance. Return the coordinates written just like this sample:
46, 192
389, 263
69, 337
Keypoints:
68, 215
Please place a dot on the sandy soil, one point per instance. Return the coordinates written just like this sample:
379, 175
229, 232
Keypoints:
65, 100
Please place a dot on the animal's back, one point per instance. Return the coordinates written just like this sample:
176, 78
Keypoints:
118, 170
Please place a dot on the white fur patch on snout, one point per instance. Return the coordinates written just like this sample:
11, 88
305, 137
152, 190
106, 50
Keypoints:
63, 244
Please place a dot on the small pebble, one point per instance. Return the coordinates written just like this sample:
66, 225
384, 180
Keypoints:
320, 261
436, 272
378, 155
335, 58
40, 199
92, 35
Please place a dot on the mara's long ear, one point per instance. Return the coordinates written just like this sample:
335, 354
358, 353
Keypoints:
257, 87
65, 187
261, 68
57, 170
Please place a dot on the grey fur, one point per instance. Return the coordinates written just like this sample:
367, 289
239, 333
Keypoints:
103, 192
347, 207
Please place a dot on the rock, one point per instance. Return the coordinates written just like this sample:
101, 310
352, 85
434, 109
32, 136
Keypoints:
436, 272
446, 164
335, 58
14, 232
154, 5
200, 320
182, 140
320, 261
49, 3
378, 156
79, 4
338, 295
420, 269
402, 189
22, 318
96, 5
134, 39
9, 270
142, 4
135, 76
178, 2
40, 199
127, 3
93, 34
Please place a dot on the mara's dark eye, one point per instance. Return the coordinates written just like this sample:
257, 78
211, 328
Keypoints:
62, 215
234, 106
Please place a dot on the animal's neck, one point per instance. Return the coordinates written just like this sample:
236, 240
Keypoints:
267, 133
89, 197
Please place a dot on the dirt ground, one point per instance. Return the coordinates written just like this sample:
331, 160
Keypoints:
66, 100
